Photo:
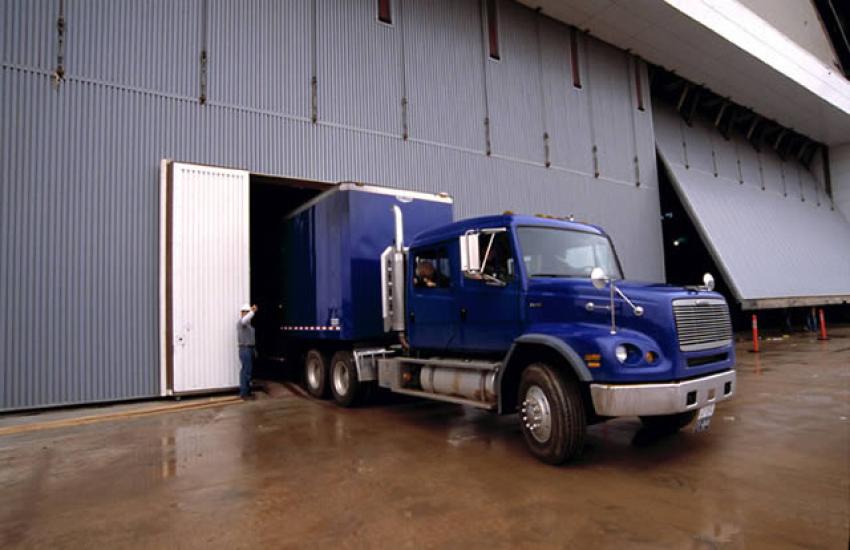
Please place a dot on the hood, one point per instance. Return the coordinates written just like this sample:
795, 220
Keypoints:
637, 291
578, 301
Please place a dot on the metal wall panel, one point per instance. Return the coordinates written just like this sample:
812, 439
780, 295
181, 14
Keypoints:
79, 266
644, 128
79, 272
726, 157
608, 83
259, 55
28, 37
444, 65
698, 142
749, 162
359, 65
513, 86
839, 171
772, 171
768, 245
567, 116
809, 188
146, 44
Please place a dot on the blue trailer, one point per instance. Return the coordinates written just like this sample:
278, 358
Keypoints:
508, 313
332, 249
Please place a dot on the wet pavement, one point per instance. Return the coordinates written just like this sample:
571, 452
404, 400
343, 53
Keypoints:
774, 471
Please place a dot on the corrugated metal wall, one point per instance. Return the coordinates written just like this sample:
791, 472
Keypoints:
80, 161
769, 216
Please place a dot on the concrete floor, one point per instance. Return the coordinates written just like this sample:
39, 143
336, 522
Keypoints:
774, 471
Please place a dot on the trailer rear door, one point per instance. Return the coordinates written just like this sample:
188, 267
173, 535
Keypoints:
205, 275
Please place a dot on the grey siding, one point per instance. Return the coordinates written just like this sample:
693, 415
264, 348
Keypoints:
29, 37
79, 261
567, 117
445, 72
151, 45
771, 223
79, 217
610, 92
360, 70
259, 55
516, 109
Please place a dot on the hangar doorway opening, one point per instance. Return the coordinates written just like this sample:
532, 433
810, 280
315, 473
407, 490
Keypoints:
272, 199
686, 256
221, 246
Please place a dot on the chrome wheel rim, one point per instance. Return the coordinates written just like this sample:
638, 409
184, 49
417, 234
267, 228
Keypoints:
536, 414
341, 378
314, 373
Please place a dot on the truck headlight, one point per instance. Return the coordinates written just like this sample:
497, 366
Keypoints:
621, 353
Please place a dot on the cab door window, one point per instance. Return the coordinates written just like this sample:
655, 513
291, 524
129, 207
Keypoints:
432, 269
497, 259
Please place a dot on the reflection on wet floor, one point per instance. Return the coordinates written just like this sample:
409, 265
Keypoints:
773, 471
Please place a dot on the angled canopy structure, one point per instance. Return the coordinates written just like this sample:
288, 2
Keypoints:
769, 225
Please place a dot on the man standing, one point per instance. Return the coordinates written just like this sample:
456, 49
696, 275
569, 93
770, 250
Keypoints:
245, 339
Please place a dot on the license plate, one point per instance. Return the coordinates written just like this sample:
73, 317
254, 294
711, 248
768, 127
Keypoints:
704, 418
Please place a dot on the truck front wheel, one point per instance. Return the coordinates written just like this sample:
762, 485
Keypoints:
316, 373
551, 414
345, 386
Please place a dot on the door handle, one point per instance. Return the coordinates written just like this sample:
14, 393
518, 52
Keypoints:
463, 313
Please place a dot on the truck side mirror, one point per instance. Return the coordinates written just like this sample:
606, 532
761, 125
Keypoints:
598, 277
470, 262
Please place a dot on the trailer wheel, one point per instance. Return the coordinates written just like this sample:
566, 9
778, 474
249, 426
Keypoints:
552, 416
668, 423
345, 386
316, 374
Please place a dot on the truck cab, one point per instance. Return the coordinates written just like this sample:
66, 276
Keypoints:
512, 314
521, 291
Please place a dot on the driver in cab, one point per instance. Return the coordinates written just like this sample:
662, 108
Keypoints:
426, 275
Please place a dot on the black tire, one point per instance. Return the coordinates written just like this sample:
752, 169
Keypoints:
316, 374
345, 386
668, 423
564, 439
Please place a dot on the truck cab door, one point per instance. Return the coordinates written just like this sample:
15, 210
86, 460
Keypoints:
431, 304
489, 306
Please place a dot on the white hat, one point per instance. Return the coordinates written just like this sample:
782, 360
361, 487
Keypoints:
245, 307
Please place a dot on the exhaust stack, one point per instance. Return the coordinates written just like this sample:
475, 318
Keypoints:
392, 278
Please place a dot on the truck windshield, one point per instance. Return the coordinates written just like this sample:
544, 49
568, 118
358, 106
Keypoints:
553, 252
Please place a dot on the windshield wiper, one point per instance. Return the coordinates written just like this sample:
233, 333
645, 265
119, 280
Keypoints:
555, 275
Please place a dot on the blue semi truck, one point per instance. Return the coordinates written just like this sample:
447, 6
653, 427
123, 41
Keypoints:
508, 313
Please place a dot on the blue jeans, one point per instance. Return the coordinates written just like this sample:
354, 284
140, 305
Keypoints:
246, 357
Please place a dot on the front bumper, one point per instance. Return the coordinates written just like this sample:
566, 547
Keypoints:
657, 399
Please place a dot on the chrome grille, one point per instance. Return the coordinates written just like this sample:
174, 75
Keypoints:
702, 323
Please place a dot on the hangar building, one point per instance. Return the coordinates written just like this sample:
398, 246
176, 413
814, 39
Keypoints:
135, 132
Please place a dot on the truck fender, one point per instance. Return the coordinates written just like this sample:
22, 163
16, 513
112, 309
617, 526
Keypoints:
553, 345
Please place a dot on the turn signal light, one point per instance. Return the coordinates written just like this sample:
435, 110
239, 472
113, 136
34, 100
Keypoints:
651, 357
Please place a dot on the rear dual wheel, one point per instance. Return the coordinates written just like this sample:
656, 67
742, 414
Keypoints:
316, 374
552, 416
346, 388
